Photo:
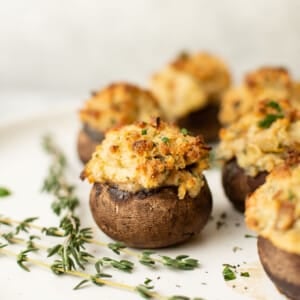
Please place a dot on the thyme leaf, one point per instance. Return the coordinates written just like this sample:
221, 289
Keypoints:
4, 192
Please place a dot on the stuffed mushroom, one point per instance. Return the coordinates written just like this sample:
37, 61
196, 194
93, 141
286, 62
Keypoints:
251, 147
273, 211
115, 105
148, 187
189, 91
264, 83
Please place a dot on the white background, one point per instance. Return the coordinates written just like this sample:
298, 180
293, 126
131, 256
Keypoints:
73, 46
52, 51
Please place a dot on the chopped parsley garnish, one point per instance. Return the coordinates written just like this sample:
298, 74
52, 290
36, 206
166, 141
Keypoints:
4, 192
275, 105
184, 131
228, 273
165, 139
271, 118
144, 131
245, 274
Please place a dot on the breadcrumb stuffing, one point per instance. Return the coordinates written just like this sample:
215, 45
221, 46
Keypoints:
119, 104
273, 210
264, 83
148, 156
259, 139
190, 83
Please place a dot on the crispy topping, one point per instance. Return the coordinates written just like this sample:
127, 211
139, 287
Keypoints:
259, 140
273, 210
119, 104
189, 84
264, 83
164, 156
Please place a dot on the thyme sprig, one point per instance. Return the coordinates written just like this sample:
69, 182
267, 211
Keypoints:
122, 265
71, 251
145, 290
146, 257
65, 199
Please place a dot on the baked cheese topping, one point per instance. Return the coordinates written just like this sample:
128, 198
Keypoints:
264, 83
148, 156
273, 210
189, 84
119, 104
258, 141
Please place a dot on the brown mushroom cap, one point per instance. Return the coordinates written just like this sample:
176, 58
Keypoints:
149, 219
87, 142
282, 267
238, 185
204, 121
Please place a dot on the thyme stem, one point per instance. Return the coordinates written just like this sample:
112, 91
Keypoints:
139, 256
83, 275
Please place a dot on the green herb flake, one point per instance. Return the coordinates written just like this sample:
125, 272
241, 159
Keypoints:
184, 131
275, 105
144, 131
165, 139
291, 196
228, 273
80, 284
269, 120
250, 236
245, 274
4, 192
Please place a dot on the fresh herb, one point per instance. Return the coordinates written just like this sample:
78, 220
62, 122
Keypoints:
116, 247
22, 257
55, 183
4, 192
122, 265
144, 131
236, 248
3, 245
291, 196
25, 224
145, 290
30, 243
165, 139
275, 105
271, 118
245, 274
228, 273
71, 252
181, 262
146, 258
80, 284
9, 237
250, 236
184, 131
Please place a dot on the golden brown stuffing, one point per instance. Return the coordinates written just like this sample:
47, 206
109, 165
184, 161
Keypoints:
273, 210
150, 155
264, 83
190, 83
119, 104
260, 139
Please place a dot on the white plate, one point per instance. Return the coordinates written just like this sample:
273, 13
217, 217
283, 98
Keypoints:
23, 167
